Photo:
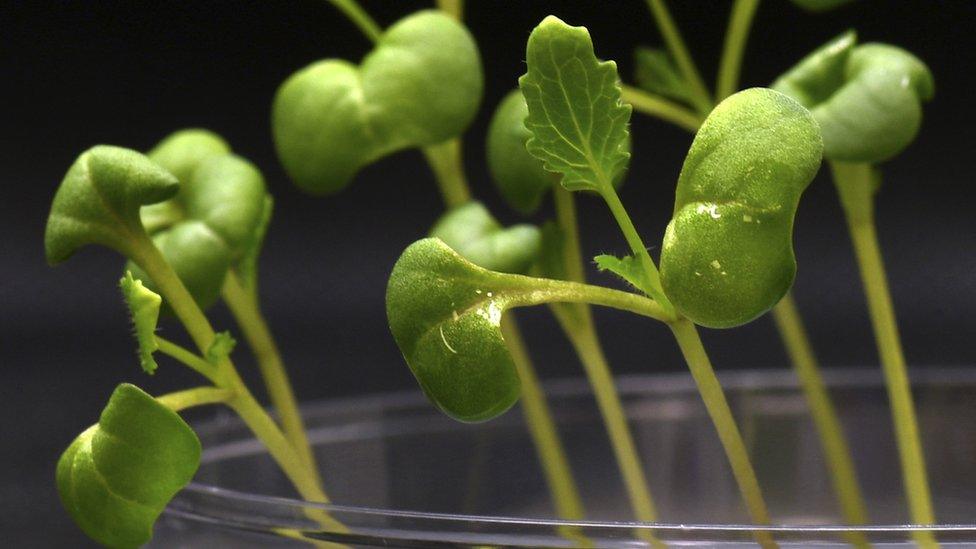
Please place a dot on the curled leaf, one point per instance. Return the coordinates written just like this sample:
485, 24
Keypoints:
118, 475
421, 85
655, 72
577, 121
867, 98
144, 310
218, 219
727, 255
475, 234
99, 199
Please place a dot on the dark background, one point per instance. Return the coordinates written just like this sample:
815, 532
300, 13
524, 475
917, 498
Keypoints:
127, 73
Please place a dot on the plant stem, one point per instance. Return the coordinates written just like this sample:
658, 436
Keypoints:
188, 358
836, 452
855, 187
676, 45
728, 433
659, 107
355, 13
542, 428
637, 247
197, 396
448, 167
454, 8
743, 12
244, 307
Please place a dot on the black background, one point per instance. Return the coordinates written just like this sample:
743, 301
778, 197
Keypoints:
79, 73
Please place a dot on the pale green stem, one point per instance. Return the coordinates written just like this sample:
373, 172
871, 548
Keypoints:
145, 254
843, 475
854, 185
244, 307
542, 428
454, 8
355, 13
659, 107
676, 45
577, 323
637, 247
197, 396
448, 167
728, 433
188, 358
546, 290
743, 13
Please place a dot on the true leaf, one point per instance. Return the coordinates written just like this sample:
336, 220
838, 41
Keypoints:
221, 347
655, 72
867, 98
421, 85
118, 475
472, 232
627, 268
577, 121
99, 199
144, 310
727, 255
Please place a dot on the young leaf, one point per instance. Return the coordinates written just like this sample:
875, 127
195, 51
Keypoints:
144, 310
98, 201
473, 232
444, 313
867, 98
627, 268
577, 121
118, 475
421, 85
222, 346
727, 255
655, 72
216, 221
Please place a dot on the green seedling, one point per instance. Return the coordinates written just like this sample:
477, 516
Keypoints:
420, 86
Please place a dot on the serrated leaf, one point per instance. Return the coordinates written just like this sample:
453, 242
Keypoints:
867, 98
473, 232
577, 121
99, 199
221, 347
654, 71
628, 268
144, 311
727, 255
118, 475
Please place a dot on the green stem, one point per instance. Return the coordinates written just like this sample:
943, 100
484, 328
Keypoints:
743, 12
728, 433
659, 107
637, 247
542, 428
547, 290
244, 307
355, 13
855, 187
197, 396
676, 45
448, 167
188, 358
454, 8
843, 476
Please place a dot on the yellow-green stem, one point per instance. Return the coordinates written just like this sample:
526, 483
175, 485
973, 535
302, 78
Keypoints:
840, 466
448, 167
197, 396
854, 184
244, 307
542, 429
743, 12
355, 13
454, 8
676, 45
659, 107
187, 358
728, 432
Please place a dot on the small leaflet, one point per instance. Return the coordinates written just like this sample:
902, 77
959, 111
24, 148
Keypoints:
143, 306
627, 268
221, 347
